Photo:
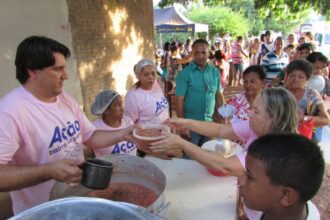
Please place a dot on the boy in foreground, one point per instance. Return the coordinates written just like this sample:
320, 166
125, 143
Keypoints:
283, 172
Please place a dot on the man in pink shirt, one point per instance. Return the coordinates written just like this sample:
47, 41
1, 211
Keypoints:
42, 128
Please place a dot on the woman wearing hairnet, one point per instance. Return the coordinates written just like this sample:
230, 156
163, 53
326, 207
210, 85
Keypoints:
108, 104
145, 103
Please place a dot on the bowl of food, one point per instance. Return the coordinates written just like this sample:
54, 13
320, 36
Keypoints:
147, 134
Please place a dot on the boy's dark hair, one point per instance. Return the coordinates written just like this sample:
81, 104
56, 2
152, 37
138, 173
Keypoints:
200, 41
259, 70
302, 65
291, 160
305, 46
317, 56
36, 52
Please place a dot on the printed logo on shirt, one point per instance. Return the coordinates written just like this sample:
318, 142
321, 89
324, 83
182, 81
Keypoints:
124, 147
161, 106
62, 137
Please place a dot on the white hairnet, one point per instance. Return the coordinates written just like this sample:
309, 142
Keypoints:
141, 64
102, 101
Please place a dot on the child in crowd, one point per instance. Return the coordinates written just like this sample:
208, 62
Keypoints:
283, 172
290, 50
108, 104
320, 63
304, 50
219, 62
174, 65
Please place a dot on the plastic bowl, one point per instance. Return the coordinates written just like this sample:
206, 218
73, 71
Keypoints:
149, 133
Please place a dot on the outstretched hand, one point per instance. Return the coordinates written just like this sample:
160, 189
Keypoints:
177, 124
169, 143
128, 133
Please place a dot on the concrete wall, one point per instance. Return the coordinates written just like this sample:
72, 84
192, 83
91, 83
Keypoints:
20, 19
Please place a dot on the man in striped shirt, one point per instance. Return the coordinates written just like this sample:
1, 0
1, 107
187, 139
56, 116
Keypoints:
274, 62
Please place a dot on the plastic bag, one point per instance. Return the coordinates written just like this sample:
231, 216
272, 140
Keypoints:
306, 127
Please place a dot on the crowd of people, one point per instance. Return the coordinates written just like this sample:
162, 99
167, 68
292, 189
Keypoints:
281, 95
44, 131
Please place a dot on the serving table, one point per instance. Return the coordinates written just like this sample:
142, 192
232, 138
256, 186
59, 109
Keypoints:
194, 193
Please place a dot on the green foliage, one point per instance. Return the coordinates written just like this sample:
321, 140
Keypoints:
164, 3
278, 15
278, 8
284, 8
220, 20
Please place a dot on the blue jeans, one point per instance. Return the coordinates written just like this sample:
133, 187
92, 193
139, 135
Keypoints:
196, 139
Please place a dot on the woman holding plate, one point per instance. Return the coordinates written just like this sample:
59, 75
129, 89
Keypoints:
274, 111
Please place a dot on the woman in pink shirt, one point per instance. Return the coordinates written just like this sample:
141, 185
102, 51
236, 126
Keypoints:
237, 53
108, 105
145, 103
273, 111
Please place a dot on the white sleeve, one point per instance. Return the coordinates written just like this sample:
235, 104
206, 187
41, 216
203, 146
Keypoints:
131, 107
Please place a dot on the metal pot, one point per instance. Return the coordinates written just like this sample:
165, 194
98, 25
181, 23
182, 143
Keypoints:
96, 173
82, 208
127, 169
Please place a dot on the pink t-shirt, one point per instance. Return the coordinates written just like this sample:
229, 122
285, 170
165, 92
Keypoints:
236, 54
123, 147
34, 132
244, 132
146, 106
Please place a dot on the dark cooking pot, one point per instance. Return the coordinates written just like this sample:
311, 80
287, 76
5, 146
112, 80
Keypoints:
96, 173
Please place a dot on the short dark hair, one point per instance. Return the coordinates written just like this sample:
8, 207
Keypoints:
167, 46
259, 70
174, 48
36, 52
219, 55
305, 46
302, 65
200, 41
290, 46
262, 37
291, 160
317, 56
267, 33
